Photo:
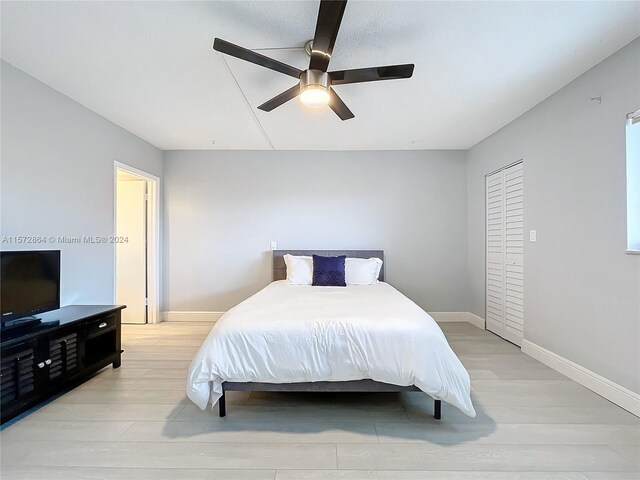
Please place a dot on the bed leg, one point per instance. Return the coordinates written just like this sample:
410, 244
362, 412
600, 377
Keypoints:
437, 409
222, 405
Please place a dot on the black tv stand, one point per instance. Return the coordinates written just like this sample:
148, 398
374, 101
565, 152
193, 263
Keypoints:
62, 349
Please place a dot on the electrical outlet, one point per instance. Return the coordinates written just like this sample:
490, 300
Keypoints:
274, 245
532, 236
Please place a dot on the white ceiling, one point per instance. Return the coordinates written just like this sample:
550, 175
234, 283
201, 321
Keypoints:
150, 67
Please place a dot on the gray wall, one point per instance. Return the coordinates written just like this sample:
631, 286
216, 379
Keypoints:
582, 292
57, 179
223, 208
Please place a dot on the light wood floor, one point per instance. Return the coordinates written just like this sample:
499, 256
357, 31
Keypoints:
135, 423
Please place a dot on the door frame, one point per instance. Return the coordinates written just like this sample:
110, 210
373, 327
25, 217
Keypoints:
484, 242
153, 237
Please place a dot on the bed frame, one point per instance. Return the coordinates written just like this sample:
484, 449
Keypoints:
280, 273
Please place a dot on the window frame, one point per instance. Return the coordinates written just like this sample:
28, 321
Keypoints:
632, 181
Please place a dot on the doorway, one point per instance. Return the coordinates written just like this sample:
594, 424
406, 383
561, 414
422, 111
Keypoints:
136, 244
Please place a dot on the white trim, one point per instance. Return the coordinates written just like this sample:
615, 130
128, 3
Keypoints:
505, 167
445, 317
177, 316
153, 240
209, 316
474, 319
468, 317
613, 392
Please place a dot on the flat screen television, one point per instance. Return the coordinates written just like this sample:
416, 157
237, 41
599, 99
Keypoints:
29, 283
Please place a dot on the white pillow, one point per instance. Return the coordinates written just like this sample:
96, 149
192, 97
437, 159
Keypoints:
299, 269
362, 271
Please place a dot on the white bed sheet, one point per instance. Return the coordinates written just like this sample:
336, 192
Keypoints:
299, 333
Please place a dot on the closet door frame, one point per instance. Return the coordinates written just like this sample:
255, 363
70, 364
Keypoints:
504, 333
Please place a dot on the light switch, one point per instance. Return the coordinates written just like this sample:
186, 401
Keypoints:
274, 245
532, 236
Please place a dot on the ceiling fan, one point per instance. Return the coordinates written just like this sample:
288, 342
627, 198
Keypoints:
315, 85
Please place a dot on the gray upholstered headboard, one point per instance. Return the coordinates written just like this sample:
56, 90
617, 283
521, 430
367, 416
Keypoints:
280, 269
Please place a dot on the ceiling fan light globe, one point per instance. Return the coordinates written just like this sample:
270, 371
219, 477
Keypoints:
314, 96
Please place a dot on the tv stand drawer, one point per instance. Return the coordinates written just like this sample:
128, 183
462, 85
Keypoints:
100, 326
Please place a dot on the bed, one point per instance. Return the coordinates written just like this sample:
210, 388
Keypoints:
300, 338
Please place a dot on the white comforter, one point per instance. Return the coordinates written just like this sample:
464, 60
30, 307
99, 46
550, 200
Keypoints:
297, 333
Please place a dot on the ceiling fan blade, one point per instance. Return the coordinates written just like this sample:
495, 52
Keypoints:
253, 57
337, 105
327, 26
281, 99
371, 74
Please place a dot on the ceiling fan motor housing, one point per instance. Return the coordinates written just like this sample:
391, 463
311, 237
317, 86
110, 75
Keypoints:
315, 78
314, 88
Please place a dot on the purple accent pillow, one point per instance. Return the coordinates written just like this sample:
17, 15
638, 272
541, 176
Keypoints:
329, 271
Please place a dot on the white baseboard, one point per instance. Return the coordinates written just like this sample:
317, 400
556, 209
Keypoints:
176, 316
468, 317
474, 319
613, 392
181, 316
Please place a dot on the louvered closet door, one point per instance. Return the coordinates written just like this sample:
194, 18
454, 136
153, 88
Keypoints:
495, 253
505, 253
514, 260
